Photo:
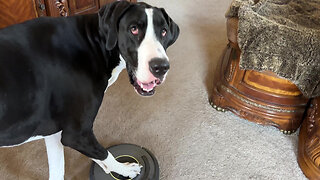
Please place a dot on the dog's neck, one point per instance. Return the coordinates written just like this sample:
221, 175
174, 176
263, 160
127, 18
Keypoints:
97, 43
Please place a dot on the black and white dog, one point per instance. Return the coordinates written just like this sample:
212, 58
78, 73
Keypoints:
54, 71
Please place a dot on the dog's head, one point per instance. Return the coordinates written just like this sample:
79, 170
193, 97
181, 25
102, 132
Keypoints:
142, 34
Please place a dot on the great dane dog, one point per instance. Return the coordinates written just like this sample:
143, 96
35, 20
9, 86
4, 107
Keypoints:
54, 72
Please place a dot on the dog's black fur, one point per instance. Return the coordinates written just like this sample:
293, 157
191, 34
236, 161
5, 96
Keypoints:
54, 71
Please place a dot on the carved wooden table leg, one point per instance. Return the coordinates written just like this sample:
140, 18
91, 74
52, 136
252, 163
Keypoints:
309, 142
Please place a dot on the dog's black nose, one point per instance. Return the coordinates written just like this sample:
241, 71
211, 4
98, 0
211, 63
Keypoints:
158, 67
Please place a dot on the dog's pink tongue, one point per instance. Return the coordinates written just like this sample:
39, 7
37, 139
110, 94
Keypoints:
149, 86
146, 87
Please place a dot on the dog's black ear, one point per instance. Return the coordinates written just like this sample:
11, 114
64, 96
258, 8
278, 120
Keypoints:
109, 16
174, 28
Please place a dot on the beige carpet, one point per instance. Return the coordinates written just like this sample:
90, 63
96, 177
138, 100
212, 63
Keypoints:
189, 138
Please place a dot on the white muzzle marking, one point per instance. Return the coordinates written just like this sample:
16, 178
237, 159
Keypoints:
149, 48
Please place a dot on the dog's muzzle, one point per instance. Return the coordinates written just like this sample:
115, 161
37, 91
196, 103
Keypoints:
158, 68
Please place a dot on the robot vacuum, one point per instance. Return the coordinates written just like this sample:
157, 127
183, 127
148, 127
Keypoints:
129, 153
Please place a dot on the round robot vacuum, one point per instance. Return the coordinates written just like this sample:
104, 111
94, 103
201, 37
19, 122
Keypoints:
129, 153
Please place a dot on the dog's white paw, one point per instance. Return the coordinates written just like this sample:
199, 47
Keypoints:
110, 164
130, 170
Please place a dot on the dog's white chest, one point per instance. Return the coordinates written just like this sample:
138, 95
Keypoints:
116, 71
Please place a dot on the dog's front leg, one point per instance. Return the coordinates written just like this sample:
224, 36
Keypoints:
55, 154
86, 143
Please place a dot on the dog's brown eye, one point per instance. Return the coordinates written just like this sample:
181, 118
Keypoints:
164, 32
134, 30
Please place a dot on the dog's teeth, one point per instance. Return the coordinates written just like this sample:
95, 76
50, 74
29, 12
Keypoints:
148, 90
141, 85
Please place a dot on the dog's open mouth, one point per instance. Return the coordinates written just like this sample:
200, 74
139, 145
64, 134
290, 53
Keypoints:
145, 89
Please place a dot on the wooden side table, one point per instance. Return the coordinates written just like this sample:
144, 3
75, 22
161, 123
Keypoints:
261, 97
309, 142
